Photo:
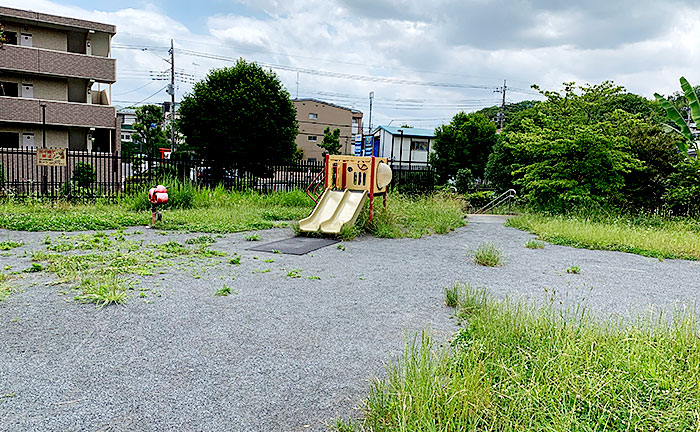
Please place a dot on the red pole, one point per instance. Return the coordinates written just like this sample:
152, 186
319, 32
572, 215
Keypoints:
371, 192
327, 172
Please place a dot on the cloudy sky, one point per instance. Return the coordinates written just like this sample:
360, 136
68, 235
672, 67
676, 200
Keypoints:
424, 60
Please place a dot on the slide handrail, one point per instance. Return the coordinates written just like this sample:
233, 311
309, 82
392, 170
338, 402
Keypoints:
318, 180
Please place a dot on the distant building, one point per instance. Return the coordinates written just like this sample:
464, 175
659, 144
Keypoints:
126, 118
411, 146
315, 115
63, 64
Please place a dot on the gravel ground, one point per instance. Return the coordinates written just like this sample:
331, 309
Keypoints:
279, 353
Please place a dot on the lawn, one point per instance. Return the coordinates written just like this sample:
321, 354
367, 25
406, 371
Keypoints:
514, 366
649, 236
222, 211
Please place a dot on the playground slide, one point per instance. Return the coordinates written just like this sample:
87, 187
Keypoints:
333, 211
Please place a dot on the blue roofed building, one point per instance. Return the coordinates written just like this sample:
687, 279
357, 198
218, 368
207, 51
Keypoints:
405, 147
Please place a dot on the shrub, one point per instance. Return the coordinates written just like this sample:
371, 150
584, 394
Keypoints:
464, 181
84, 174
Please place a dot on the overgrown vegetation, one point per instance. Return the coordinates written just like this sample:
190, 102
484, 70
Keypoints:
534, 244
100, 267
513, 366
649, 236
488, 255
192, 209
410, 216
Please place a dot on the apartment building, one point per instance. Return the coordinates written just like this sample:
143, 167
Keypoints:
315, 115
58, 70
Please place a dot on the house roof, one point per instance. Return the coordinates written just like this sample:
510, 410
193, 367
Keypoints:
327, 103
407, 132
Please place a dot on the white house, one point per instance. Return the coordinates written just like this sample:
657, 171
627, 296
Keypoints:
404, 146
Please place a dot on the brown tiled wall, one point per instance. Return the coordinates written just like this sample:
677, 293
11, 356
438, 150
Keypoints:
32, 60
21, 110
53, 19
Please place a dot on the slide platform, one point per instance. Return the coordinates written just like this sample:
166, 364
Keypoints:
334, 210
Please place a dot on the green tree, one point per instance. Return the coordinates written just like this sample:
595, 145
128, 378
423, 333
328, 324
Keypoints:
575, 149
149, 135
463, 143
511, 110
240, 115
331, 142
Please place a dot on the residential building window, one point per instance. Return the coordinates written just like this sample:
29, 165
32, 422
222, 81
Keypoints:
10, 38
311, 160
9, 140
313, 116
419, 145
312, 138
9, 89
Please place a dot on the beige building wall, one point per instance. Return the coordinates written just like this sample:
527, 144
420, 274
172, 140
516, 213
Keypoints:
42, 37
55, 89
313, 117
55, 138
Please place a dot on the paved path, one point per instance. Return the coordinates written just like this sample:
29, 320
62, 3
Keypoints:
281, 353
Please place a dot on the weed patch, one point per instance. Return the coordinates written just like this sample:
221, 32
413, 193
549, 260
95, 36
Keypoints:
487, 254
534, 244
651, 236
7, 245
514, 366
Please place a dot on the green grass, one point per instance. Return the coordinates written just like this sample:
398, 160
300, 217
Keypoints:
102, 291
648, 236
214, 211
516, 367
573, 270
220, 211
534, 244
5, 287
488, 255
7, 245
223, 291
410, 216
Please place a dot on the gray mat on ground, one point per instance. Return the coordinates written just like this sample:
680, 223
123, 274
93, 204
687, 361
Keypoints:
295, 245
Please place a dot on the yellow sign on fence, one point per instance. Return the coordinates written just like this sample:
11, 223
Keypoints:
51, 157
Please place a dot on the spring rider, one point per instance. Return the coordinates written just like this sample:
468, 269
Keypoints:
157, 196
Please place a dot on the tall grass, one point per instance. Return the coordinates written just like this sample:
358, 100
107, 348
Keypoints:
513, 367
410, 216
189, 208
651, 236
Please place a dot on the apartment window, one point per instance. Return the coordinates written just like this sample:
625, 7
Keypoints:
311, 160
9, 89
312, 138
419, 145
313, 116
9, 140
10, 38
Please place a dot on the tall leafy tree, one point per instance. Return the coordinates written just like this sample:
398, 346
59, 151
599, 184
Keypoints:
575, 148
240, 115
149, 135
331, 142
463, 143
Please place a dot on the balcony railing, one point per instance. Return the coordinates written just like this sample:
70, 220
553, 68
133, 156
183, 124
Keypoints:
23, 110
58, 63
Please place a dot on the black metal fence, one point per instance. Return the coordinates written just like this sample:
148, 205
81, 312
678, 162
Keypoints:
89, 175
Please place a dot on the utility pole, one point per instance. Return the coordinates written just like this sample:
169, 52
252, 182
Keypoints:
371, 98
172, 96
502, 113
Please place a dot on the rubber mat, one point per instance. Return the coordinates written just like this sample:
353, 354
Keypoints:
295, 245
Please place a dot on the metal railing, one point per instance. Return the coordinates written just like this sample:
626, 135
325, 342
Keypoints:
507, 196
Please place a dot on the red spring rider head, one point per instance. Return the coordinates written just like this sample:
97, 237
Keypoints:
156, 196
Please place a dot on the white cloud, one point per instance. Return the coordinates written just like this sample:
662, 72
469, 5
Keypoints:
644, 46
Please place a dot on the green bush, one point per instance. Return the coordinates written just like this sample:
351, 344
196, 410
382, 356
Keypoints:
477, 200
464, 181
84, 174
